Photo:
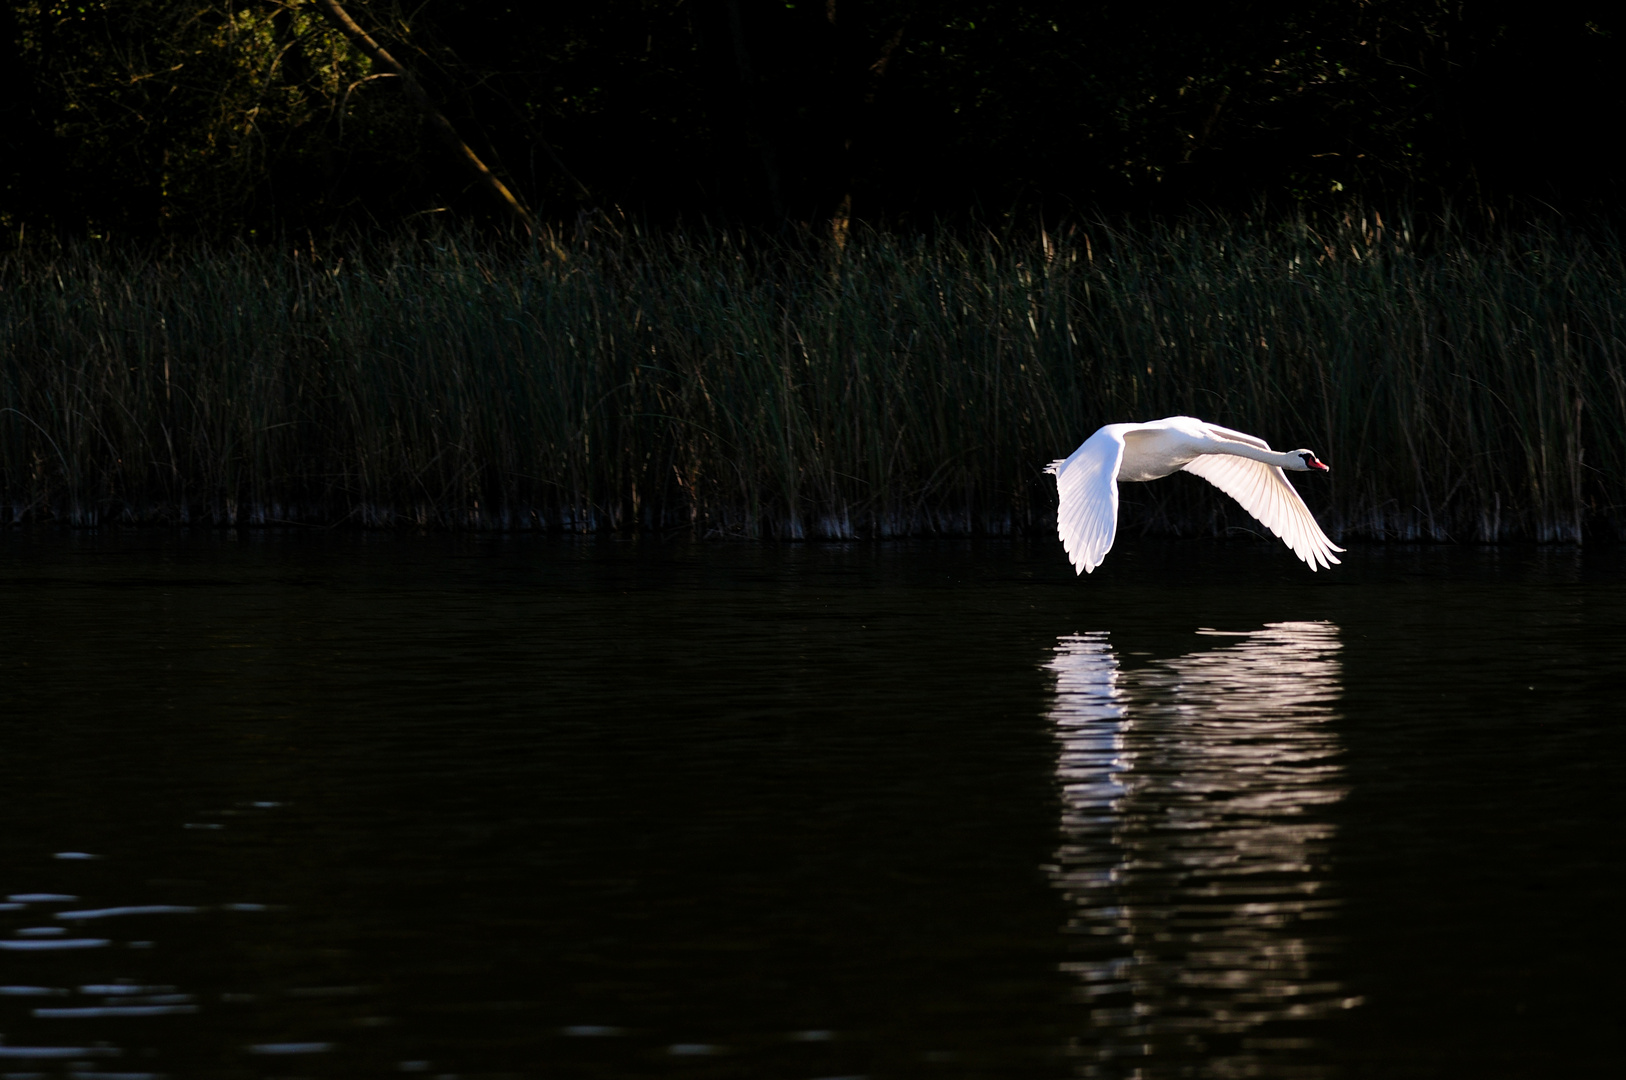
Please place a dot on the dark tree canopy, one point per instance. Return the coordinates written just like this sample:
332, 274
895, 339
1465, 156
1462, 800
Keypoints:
221, 117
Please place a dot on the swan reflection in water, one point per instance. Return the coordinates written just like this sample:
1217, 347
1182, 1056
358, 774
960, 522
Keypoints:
1195, 850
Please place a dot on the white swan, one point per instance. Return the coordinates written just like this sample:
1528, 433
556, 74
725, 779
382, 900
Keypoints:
1242, 466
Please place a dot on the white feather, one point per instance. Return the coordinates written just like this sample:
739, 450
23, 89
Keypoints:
1087, 519
1241, 465
1265, 492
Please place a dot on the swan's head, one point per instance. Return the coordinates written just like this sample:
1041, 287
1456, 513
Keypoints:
1311, 462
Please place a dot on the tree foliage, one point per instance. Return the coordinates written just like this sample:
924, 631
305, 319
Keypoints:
156, 117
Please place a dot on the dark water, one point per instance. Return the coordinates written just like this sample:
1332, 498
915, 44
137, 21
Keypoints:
289, 806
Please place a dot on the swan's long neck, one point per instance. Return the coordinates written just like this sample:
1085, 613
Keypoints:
1269, 457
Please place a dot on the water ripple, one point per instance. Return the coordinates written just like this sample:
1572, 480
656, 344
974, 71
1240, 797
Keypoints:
136, 909
1194, 841
53, 944
94, 1011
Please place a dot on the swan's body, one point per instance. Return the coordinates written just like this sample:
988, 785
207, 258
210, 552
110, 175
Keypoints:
1242, 466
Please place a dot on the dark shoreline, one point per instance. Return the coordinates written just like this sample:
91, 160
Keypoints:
1462, 387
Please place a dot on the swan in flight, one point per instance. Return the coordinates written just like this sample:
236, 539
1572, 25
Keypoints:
1242, 466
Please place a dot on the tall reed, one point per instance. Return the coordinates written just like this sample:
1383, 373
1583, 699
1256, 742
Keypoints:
1461, 388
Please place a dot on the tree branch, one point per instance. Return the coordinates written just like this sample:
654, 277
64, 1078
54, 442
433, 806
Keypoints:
336, 15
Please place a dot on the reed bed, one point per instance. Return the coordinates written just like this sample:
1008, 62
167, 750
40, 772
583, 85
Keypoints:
1461, 387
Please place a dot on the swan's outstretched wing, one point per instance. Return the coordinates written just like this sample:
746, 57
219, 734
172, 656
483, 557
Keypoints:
1087, 515
1264, 491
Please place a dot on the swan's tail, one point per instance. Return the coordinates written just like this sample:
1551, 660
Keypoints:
1054, 468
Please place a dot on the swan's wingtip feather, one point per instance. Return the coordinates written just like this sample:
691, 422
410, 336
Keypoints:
1087, 490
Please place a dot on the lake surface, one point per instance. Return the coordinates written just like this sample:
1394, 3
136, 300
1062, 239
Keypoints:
313, 805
